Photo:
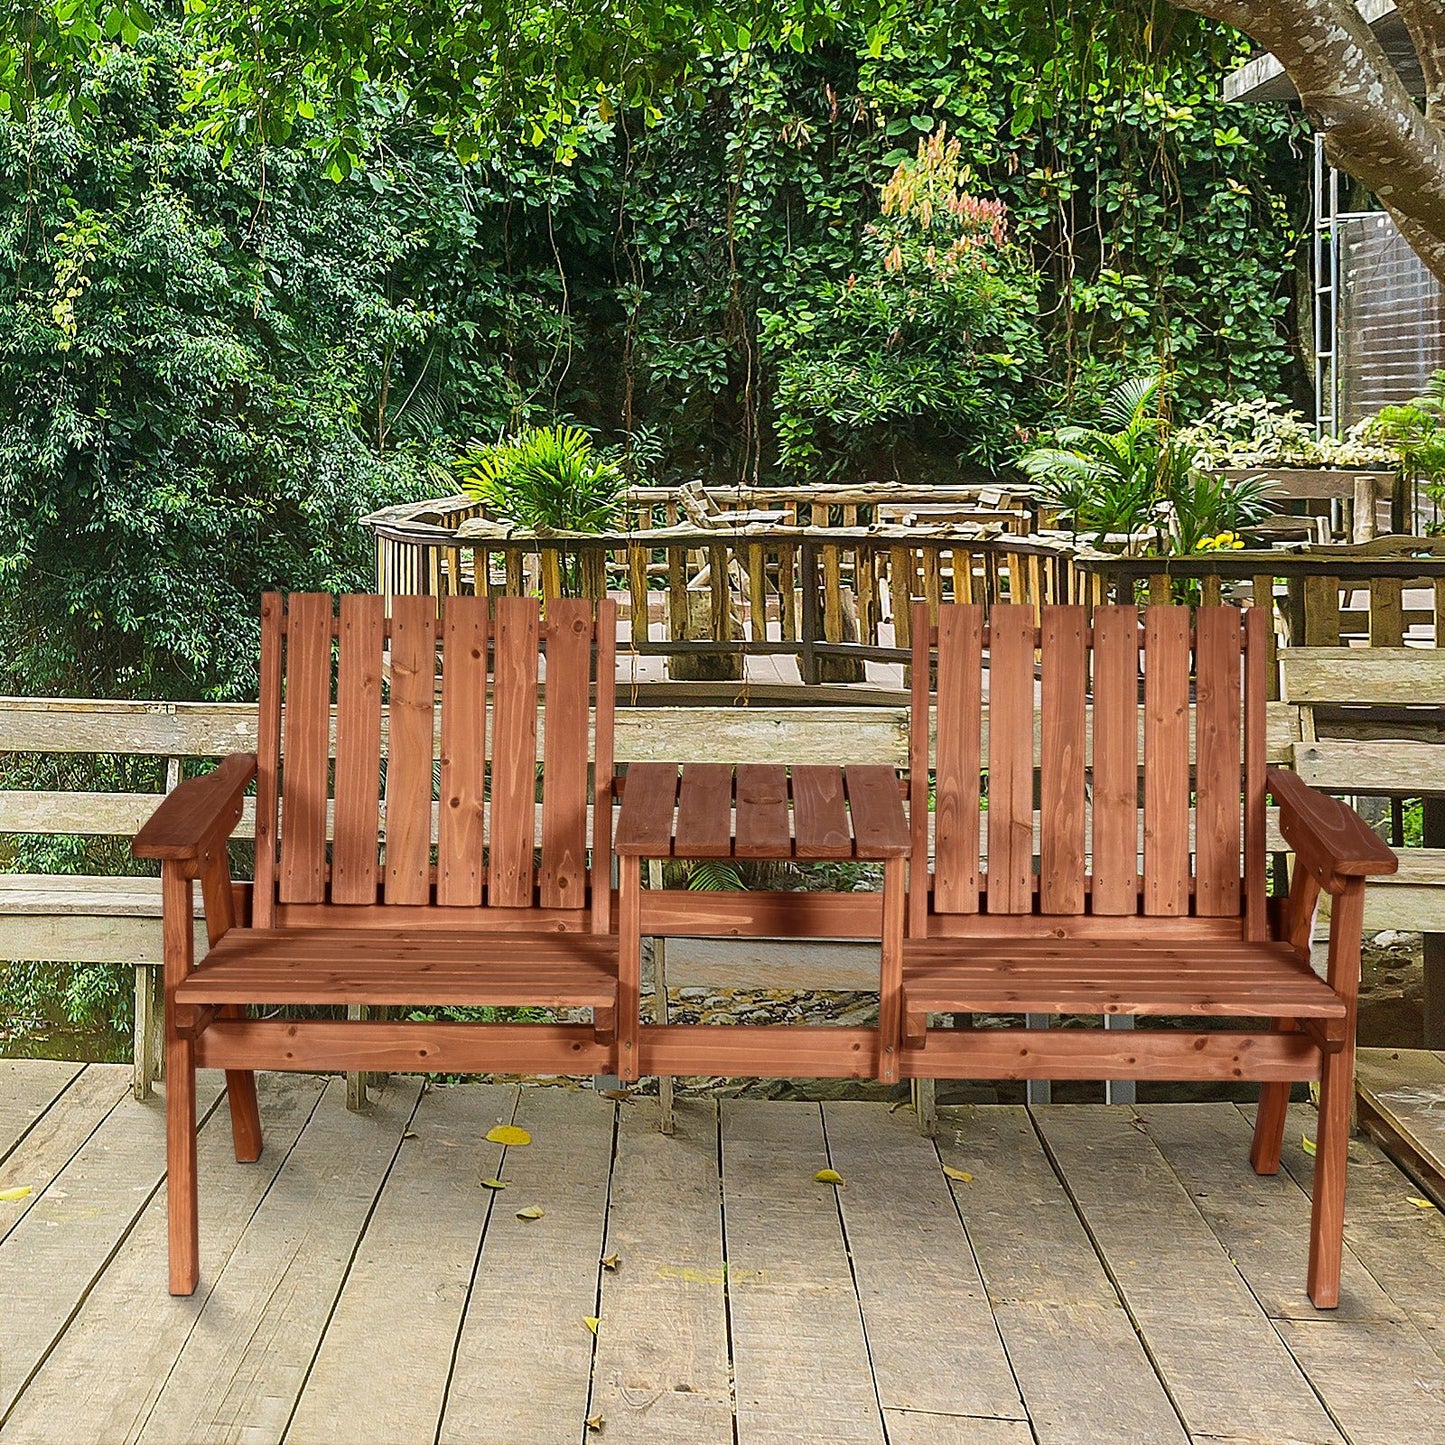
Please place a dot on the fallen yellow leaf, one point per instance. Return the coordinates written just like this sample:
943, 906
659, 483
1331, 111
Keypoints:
508, 1134
591, 1321
827, 1176
532, 1211
595, 1422
609, 1261
1307, 1144
494, 1183
962, 1175
1413, 1198
10, 1195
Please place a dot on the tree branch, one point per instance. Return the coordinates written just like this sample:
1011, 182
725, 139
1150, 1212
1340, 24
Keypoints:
1425, 20
1372, 128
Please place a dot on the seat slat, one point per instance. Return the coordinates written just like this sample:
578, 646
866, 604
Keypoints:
1218, 792
306, 747
879, 828
461, 823
562, 882
820, 818
358, 751
409, 750
762, 816
704, 822
1116, 761
1166, 760
393, 966
1010, 760
959, 761
1061, 780
514, 752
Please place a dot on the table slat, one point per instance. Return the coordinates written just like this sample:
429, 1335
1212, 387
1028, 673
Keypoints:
820, 819
644, 826
880, 829
762, 821
704, 811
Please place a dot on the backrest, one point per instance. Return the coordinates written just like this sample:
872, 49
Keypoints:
1038, 722
435, 796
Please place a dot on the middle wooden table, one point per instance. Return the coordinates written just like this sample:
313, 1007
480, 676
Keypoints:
760, 811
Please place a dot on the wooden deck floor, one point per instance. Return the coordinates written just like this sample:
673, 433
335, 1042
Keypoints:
1106, 1274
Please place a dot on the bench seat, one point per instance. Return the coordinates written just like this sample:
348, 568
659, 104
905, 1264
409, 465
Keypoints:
406, 966
1113, 976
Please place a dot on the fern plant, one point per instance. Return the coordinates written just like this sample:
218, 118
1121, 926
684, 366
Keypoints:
547, 479
1416, 431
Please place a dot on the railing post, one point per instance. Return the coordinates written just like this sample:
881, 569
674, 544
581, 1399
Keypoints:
808, 577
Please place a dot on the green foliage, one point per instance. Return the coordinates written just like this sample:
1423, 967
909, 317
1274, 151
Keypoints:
1130, 481
1416, 434
545, 479
1261, 433
935, 331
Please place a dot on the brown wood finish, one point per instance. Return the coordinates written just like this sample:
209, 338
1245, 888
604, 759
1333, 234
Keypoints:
820, 817
268, 757
762, 828
1166, 760
704, 811
460, 870
1010, 760
514, 753
358, 752
959, 761
1218, 795
562, 880
1260, 664
1061, 784
409, 750
306, 742
875, 812
603, 781
183, 1196
1116, 761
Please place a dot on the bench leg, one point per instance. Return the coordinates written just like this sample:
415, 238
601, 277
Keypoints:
1332, 1147
241, 1096
925, 1105
183, 1223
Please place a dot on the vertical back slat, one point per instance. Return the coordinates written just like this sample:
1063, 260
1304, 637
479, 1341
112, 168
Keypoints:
568, 630
602, 764
464, 754
306, 743
409, 752
1011, 759
1258, 639
514, 754
1115, 888
1166, 760
1217, 776
918, 769
268, 762
1061, 760
959, 759
358, 751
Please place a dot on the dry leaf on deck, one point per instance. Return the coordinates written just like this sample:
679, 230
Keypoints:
1307, 1144
610, 1261
827, 1176
591, 1321
623, 1096
494, 1183
10, 1195
532, 1211
1413, 1198
595, 1422
508, 1134
962, 1175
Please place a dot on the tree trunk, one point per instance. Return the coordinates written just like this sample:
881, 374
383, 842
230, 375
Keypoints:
1372, 128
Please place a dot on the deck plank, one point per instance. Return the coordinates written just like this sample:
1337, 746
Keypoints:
1084, 1374
1402, 1245
666, 1379
524, 1355
1263, 1223
799, 1354
103, 1392
1228, 1371
246, 1359
918, 1427
414, 1265
28, 1087
50, 1144
932, 1337
52, 1257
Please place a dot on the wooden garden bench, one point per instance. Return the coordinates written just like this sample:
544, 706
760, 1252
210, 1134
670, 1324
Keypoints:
1072, 916
493, 921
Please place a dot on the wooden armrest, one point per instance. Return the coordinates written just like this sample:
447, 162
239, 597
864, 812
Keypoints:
1330, 839
199, 815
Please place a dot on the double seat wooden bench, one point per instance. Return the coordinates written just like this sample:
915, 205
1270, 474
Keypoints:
1064, 911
